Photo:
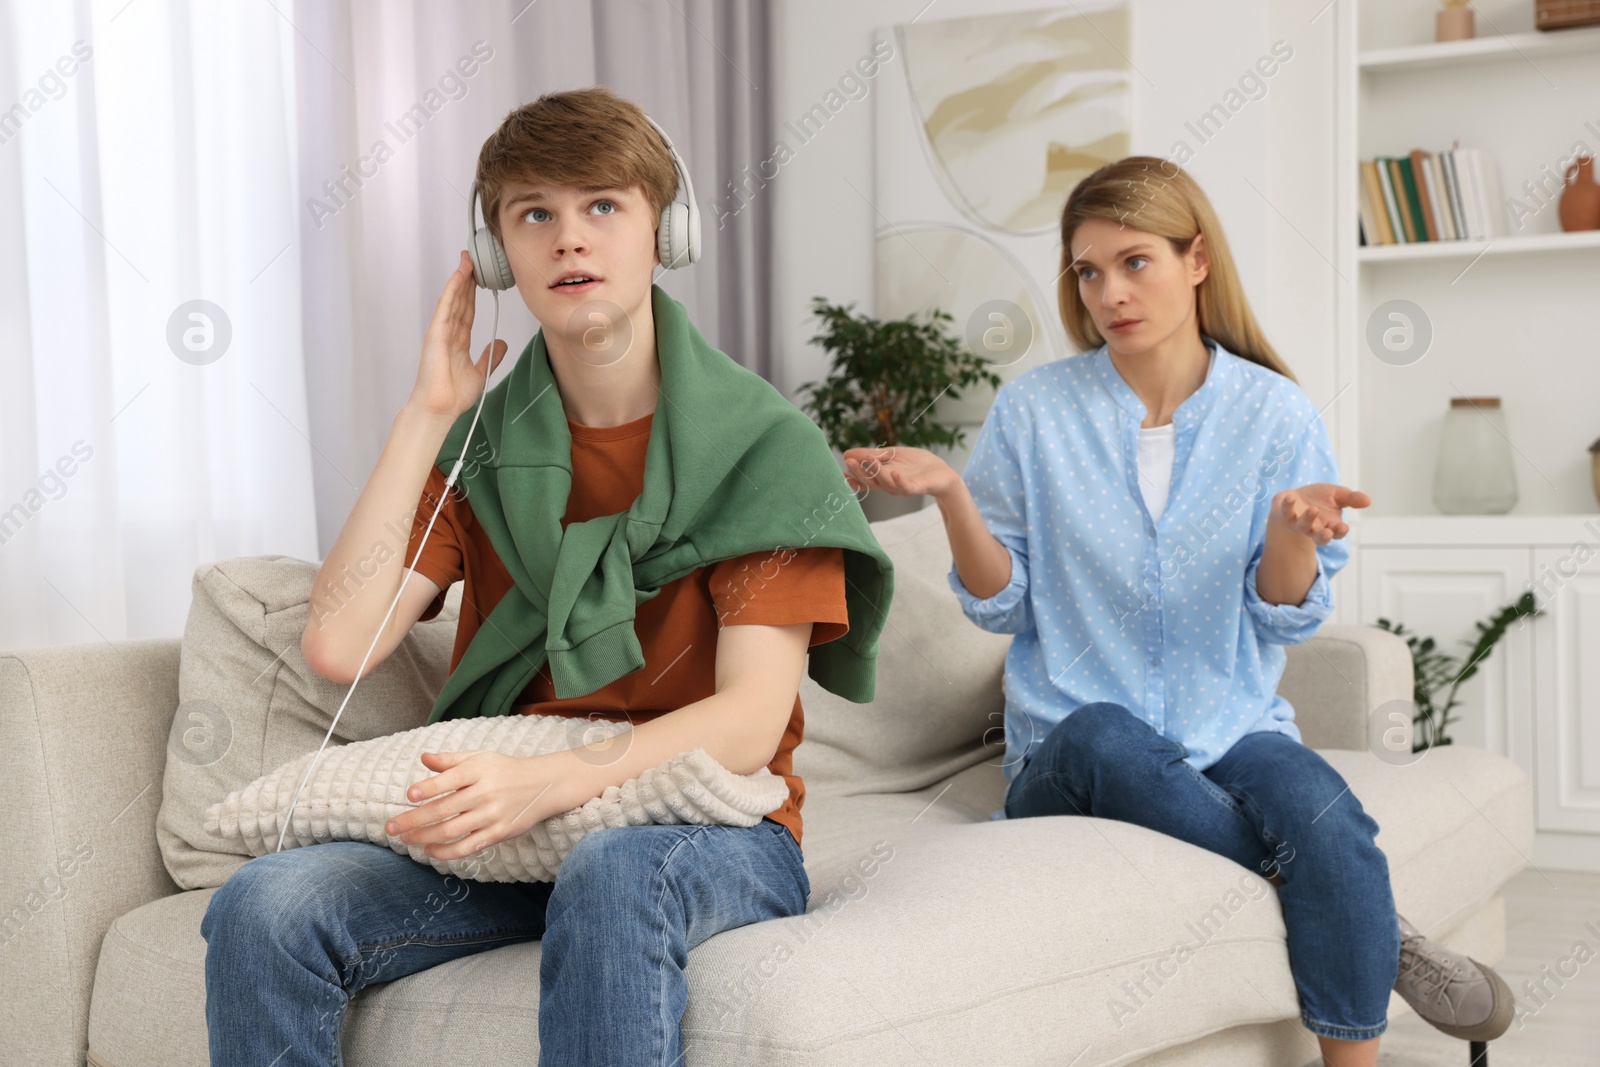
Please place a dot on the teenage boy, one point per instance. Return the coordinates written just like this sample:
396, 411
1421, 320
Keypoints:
648, 533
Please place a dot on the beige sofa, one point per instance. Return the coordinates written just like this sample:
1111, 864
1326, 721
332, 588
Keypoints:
934, 935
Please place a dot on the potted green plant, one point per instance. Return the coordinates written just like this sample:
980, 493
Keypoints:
1434, 670
883, 377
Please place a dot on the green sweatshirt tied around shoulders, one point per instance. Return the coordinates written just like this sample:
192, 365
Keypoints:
732, 467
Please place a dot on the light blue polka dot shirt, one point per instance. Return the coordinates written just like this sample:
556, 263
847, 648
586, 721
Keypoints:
1160, 617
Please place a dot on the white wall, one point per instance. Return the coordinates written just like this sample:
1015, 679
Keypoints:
1267, 172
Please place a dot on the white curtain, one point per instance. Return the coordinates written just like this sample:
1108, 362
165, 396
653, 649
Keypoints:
146, 164
303, 170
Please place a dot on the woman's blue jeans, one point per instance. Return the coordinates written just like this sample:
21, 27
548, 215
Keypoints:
1270, 804
293, 935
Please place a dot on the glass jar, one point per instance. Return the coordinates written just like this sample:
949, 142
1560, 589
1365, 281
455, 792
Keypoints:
1474, 475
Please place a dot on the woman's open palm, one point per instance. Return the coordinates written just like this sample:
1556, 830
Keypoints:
1316, 510
898, 470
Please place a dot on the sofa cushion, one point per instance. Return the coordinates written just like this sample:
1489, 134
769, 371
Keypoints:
249, 703
1058, 918
939, 693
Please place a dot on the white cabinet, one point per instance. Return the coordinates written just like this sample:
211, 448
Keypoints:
1439, 592
1536, 700
1566, 707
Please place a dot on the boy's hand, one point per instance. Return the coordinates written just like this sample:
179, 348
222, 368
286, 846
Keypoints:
489, 797
448, 381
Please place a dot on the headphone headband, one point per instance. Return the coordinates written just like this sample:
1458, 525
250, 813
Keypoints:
678, 239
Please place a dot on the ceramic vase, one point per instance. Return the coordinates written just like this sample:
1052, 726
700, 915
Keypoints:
1579, 207
1474, 475
1454, 24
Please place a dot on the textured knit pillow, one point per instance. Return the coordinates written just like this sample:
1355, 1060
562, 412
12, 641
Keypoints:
356, 788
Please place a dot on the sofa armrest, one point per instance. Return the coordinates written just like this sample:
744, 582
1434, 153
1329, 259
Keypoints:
1340, 677
83, 746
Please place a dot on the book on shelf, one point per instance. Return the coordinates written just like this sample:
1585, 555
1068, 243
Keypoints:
1452, 195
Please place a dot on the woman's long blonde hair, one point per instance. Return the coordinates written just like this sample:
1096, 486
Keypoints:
1159, 197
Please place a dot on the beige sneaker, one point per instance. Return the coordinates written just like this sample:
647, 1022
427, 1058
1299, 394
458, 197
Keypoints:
1456, 994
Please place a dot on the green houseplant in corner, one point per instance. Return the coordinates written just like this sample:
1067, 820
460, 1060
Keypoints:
1435, 671
883, 377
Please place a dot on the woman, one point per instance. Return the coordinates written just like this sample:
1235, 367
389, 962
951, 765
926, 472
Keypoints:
1155, 520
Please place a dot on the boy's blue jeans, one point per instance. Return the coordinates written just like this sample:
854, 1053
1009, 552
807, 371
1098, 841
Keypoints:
293, 935
1270, 804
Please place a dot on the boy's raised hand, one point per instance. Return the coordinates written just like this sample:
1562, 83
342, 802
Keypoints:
448, 381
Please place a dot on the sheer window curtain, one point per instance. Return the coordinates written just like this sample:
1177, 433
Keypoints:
224, 227
145, 166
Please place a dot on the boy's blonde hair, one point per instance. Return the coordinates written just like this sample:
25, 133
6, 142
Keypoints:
588, 138
1159, 197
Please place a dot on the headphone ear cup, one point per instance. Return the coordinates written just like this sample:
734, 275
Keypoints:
664, 237
691, 231
672, 239
489, 265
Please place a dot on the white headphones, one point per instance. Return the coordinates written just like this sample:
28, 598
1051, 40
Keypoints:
677, 235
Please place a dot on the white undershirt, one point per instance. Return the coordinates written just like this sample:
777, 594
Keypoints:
1155, 460
1155, 466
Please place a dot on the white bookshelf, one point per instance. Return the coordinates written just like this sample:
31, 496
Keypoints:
1515, 316
1539, 243
1482, 50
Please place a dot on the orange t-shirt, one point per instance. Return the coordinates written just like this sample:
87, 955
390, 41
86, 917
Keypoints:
677, 628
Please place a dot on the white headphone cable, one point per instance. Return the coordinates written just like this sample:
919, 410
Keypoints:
488, 362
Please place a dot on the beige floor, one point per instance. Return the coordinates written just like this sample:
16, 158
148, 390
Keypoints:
1546, 916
